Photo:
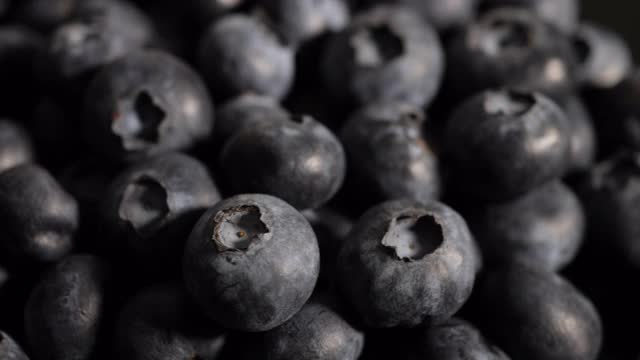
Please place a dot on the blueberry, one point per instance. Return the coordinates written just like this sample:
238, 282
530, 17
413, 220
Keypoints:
539, 315
152, 206
503, 143
244, 112
387, 53
9, 349
564, 14
160, 323
583, 135
509, 47
604, 59
39, 218
406, 263
443, 14
612, 196
65, 310
300, 20
543, 228
315, 332
456, 339
298, 160
251, 262
240, 54
15, 145
98, 33
144, 104
389, 155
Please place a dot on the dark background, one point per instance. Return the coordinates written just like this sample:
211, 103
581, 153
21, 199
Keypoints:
623, 16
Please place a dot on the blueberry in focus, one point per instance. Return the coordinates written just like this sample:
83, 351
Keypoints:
160, 322
298, 160
456, 339
611, 193
563, 14
543, 228
152, 206
388, 154
387, 53
534, 314
509, 47
443, 14
9, 348
38, 216
144, 104
244, 112
406, 263
15, 145
503, 143
240, 54
298, 21
251, 262
315, 332
604, 59
65, 310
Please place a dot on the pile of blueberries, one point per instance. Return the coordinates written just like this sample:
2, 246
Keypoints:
378, 179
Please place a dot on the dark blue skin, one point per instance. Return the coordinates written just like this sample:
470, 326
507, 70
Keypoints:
583, 139
15, 145
39, 218
611, 195
443, 14
315, 332
503, 143
161, 323
251, 262
245, 111
240, 54
388, 154
539, 315
9, 349
509, 47
97, 33
603, 56
298, 160
387, 53
406, 263
563, 14
65, 310
543, 228
145, 104
298, 21
456, 339
151, 207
